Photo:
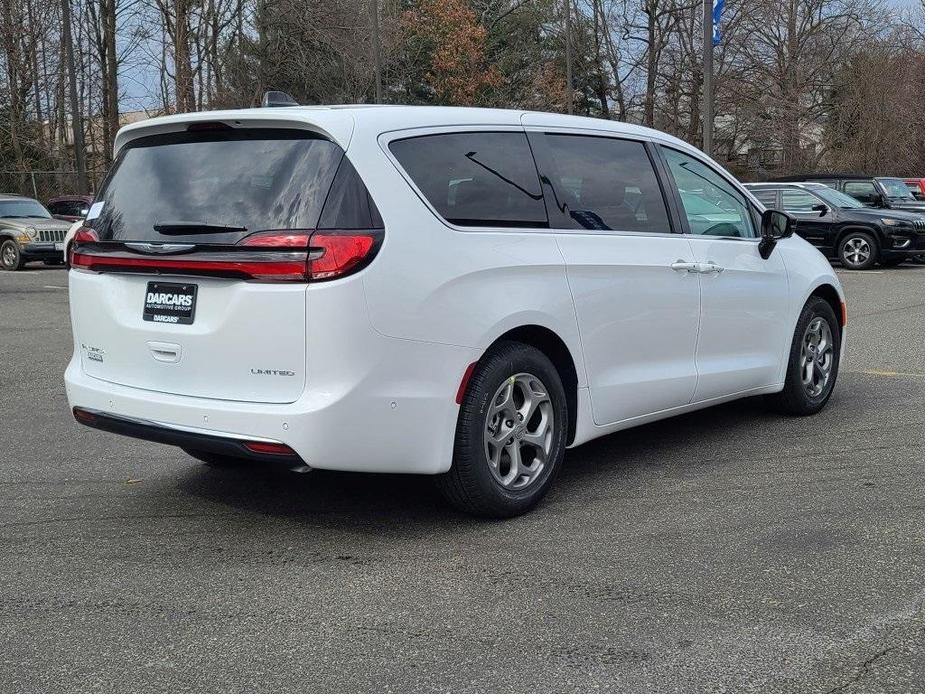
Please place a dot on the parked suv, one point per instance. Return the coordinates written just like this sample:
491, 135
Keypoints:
457, 292
28, 232
843, 228
884, 192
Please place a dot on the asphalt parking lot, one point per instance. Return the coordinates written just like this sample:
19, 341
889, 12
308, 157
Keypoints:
730, 550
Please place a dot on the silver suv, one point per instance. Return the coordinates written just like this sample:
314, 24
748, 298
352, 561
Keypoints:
28, 232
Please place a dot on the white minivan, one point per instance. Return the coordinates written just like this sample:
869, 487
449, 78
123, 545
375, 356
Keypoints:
456, 292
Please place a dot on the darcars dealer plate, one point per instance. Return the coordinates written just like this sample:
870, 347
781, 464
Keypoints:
169, 302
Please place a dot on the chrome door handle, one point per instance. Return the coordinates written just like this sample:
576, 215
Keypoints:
683, 266
709, 267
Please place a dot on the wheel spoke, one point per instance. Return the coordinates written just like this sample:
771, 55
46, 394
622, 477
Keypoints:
504, 402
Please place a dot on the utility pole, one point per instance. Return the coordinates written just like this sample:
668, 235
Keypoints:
708, 77
570, 105
80, 154
377, 51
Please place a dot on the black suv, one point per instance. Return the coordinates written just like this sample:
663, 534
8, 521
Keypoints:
883, 192
843, 228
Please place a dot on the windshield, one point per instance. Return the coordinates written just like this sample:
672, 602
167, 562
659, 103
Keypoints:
22, 208
835, 198
216, 187
895, 188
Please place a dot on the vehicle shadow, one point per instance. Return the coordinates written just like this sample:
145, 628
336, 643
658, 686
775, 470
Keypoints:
337, 498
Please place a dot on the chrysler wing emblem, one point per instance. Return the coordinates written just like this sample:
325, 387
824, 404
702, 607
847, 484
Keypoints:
160, 248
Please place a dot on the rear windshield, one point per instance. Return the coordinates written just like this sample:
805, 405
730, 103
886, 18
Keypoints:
216, 186
476, 179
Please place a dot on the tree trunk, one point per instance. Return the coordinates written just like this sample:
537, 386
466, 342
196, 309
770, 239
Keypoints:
80, 153
648, 117
183, 76
110, 78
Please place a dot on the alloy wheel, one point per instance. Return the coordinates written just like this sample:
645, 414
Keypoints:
519, 430
817, 356
856, 251
9, 255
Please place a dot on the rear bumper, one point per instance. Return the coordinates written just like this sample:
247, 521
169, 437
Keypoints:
188, 439
397, 415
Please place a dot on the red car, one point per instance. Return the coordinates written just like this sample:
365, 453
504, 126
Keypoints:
916, 186
70, 207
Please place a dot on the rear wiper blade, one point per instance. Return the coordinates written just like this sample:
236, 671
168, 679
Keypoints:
185, 227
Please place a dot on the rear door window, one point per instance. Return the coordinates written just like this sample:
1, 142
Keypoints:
768, 197
245, 179
602, 183
798, 201
476, 178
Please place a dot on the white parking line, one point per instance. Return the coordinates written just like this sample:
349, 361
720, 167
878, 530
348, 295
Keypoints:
51, 286
859, 272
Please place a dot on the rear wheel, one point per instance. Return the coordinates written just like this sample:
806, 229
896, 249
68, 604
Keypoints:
510, 436
10, 256
813, 365
858, 251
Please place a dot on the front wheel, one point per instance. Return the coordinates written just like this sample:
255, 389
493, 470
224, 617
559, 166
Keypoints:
858, 251
813, 363
510, 436
10, 256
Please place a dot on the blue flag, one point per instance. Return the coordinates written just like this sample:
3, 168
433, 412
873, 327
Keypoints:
718, 6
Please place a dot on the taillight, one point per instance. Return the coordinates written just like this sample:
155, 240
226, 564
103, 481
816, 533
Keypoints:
331, 254
83, 235
338, 254
270, 256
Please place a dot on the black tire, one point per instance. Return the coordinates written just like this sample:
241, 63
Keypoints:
215, 460
919, 259
10, 256
892, 262
794, 399
470, 485
853, 262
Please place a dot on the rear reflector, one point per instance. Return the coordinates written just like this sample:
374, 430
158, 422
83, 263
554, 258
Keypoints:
464, 383
84, 417
268, 448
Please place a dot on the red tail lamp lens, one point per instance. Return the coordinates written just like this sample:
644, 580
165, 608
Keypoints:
277, 239
336, 255
83, 235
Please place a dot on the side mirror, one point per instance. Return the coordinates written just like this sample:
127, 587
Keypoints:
821, 208
775, 225
877, 200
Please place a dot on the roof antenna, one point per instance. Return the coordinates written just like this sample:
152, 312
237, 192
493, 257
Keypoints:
273, 98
